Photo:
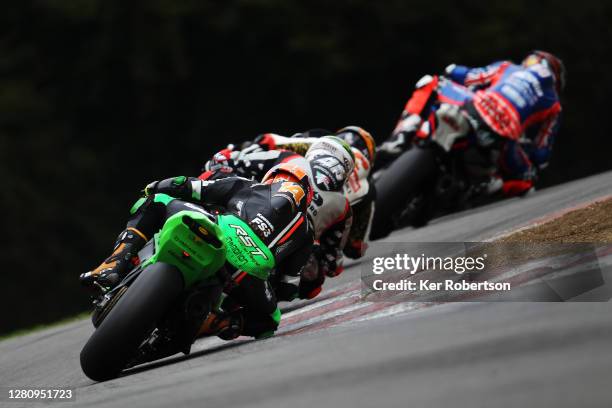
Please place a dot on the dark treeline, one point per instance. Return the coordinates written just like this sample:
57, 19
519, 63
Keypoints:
99, 97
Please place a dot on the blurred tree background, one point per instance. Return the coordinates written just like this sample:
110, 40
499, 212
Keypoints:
99, 97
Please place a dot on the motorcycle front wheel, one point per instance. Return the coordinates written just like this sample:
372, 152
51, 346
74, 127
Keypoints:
130, 321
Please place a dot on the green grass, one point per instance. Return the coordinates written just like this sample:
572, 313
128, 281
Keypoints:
39, 327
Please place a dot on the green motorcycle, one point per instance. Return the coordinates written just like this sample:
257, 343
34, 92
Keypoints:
157, 309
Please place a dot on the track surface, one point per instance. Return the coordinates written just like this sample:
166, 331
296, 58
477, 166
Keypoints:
340, 351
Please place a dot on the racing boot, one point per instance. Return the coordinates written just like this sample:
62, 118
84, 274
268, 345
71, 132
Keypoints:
493, 185
226, 326
392, 148
312, 278
119, 263
514, 188
286, 291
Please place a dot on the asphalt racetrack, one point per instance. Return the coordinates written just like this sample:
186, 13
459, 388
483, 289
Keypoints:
339, 351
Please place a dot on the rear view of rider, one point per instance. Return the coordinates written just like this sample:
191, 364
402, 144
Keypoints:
275, 209
359, 188
328, 162
513, 109
517, 108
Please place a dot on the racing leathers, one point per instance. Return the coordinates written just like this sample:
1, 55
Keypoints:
329, 212
276, 212
512, 109
359, 188
520, 105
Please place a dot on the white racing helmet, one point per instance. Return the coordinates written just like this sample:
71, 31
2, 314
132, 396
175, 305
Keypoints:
332, 161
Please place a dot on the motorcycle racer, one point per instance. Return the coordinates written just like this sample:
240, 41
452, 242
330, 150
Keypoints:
512, 109
328, 161
518, 105
275, 209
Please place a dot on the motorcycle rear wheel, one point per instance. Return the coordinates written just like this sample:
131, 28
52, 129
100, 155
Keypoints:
404, 178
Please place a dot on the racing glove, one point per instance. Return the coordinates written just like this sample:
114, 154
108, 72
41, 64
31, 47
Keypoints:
222, 161
178, 187
266, 141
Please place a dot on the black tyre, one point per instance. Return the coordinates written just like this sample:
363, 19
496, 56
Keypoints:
402, 179
116, 340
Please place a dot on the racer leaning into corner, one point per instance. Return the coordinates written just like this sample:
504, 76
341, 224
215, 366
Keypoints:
335, 168
513, 111
359, 187
274, 208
